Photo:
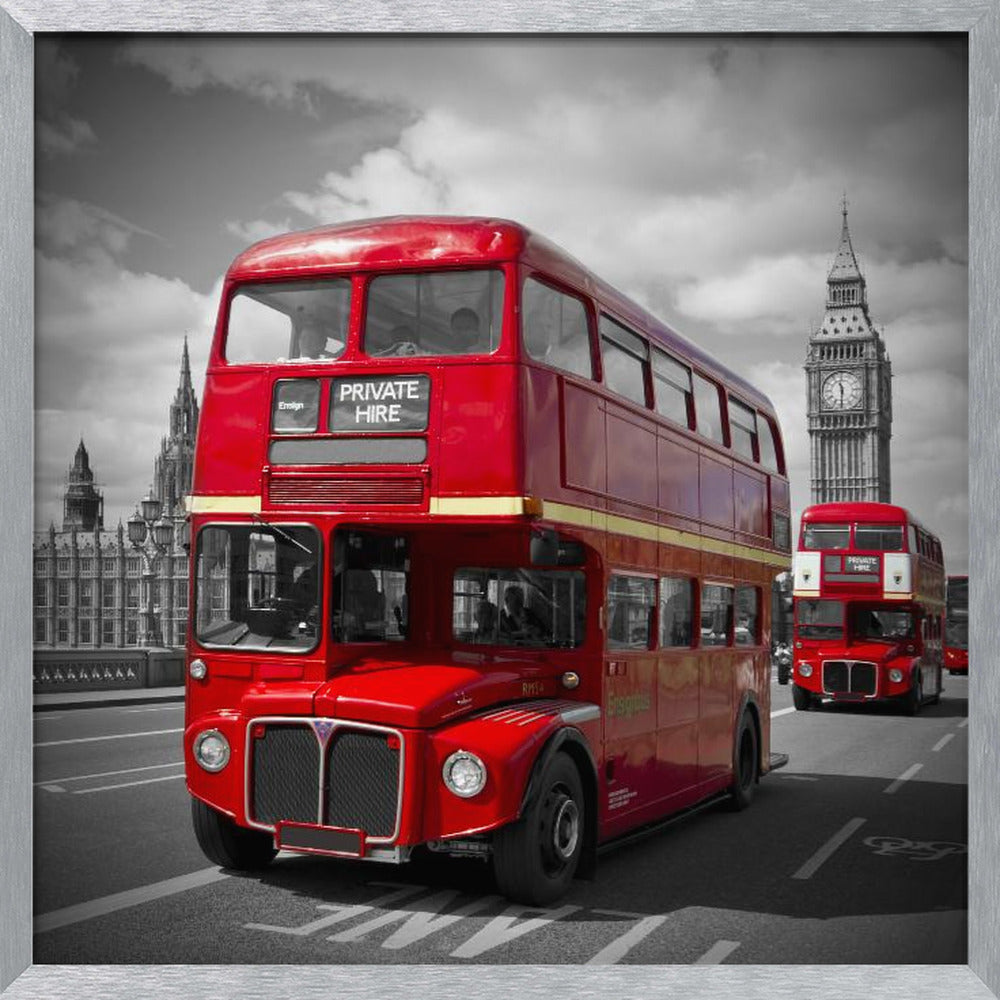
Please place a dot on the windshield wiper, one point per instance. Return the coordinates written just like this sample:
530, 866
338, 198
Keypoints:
284, 534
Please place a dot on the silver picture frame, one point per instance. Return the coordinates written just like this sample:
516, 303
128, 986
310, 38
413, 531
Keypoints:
20, 20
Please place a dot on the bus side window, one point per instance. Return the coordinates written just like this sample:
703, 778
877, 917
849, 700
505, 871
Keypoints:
676, 606
631, 604
554, 328
708, 411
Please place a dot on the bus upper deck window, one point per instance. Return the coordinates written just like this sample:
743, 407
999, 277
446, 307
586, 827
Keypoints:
554, 328
879, 537
826, 536
439, 313
288, 321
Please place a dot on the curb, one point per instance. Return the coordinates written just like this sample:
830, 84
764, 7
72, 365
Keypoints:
105, 699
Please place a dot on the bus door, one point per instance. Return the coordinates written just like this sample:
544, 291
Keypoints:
630, 696
717, 663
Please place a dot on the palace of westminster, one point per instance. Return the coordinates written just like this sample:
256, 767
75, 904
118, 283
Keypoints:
96, 588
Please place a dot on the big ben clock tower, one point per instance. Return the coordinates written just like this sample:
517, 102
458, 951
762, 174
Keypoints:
849, 385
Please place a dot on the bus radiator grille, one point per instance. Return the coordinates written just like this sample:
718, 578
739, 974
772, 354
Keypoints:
362, 783
849, 677
346, 490
286, 775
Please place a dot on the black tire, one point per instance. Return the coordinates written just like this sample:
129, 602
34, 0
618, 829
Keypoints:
802, 698
536, 857
227, 844
746, 765
915, 696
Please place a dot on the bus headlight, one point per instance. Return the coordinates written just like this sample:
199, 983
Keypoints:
805, 670
464, 774
198, 669
895, 675
211, 750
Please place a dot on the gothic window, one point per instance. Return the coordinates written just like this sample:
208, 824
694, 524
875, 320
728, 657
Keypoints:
63, 566
62, 631
41, 594
41, 632
86, 565
131, 632
108, 594
109, 565
86, 593
86, 631
62, 596
41, 567
132, 566
132, 594
108, 631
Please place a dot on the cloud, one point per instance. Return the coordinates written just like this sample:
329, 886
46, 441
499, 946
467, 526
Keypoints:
57, 132
107, 353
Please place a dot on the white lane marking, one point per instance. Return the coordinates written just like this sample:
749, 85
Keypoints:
111, 774
127, 784
621, 946
796, 777
423, 918
719, 952
782, 711
45, 717
902, 779
963, 723
55, 919
97, 739
154, 708
53, 788
340, 912
942, 742
501, 930
829, 848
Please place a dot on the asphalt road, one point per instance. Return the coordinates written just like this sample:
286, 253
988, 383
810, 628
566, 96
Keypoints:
854, 853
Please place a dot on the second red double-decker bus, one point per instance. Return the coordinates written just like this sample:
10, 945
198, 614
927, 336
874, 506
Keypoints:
869, 602
956, 626
482, 558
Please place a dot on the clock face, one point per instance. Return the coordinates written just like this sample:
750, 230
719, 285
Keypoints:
842, 391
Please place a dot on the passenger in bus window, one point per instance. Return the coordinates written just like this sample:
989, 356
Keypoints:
486, 621
313, 341
518, 621
465, 331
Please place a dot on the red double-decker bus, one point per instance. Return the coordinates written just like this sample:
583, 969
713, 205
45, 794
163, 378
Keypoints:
956, 626
869, 592
482, 558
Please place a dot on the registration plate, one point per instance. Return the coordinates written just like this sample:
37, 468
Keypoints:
321, 839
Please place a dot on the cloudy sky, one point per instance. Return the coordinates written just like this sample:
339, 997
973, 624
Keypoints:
703, 176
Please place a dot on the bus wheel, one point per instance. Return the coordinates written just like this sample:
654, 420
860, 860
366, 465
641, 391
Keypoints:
802, 698
227, 844
915, 698
534, 859
746, 765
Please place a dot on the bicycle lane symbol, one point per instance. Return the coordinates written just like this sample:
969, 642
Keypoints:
914, 850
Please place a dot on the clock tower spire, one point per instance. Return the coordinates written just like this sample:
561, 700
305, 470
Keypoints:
849, 389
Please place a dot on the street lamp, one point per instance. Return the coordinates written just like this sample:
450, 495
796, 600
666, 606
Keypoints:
150, 535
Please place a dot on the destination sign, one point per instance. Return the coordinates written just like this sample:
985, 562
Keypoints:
861, 564
380, 404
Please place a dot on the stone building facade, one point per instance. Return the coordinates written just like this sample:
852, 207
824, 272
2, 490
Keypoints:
88, 581
849, 391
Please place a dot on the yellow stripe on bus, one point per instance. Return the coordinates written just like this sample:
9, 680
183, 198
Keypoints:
223, 505
598, 520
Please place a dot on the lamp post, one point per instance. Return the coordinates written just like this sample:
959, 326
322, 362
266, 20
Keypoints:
150, 535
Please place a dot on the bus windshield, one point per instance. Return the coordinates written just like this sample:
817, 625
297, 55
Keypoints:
819, 619
445, 312
288, 321
881, 623
257, 587
878, 537
827, 536
519, 607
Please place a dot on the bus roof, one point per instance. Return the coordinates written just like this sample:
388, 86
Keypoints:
402, 241
874, 513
